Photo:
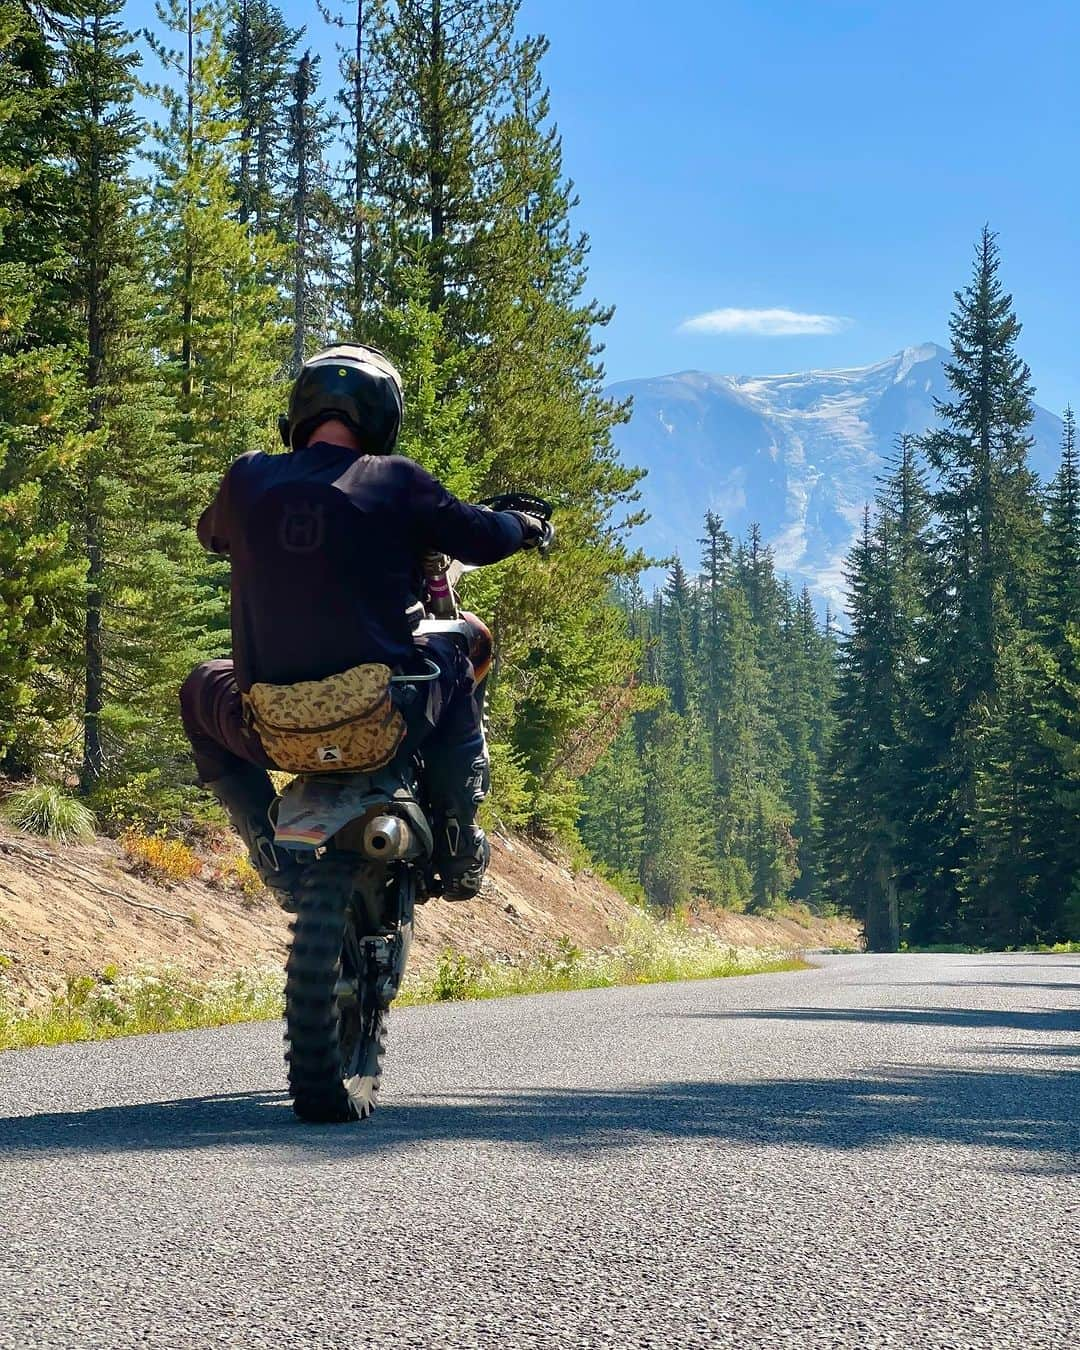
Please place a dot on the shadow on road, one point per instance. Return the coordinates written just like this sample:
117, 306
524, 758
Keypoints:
1064, 1021
1025, 1048
1028, 1118
1073, 986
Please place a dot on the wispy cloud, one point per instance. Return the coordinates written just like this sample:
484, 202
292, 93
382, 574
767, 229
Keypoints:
763, 323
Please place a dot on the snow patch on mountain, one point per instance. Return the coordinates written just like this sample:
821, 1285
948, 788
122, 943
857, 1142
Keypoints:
798, 453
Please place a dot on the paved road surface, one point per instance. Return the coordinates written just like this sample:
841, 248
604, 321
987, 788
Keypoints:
878, 1152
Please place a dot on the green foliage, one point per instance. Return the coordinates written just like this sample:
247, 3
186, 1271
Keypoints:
953, 810
649, 951
49, 812
100, 1008
147, 326
713, 796
39, 574
221, 327
94, 1008
259, 45
473, 278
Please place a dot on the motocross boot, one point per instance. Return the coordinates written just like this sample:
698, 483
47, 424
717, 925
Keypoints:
247, 796
461, 858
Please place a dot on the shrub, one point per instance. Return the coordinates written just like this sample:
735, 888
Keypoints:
237, 874
455, 977
160, 857
50, 812
147, 802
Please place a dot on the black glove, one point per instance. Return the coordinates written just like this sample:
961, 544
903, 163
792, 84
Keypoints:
536, 533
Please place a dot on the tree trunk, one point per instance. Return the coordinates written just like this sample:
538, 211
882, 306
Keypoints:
93, 759
244, 71
93, 665
882, 921
436, 169
300, 132
359, 179
187, 308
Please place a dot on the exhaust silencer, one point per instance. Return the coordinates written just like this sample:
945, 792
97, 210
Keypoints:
387, 838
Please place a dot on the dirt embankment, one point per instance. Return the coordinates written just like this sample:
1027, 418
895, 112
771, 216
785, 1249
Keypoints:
80, 910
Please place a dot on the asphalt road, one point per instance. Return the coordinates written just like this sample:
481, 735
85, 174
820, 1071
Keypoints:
878, 1152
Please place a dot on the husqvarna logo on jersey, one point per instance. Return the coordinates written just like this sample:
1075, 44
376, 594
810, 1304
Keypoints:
302, 528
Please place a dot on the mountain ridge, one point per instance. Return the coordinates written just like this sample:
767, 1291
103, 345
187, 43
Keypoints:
797, 452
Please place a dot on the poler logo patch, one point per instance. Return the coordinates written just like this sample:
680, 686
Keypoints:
330, 754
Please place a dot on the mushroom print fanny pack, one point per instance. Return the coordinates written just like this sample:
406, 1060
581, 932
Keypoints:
346, 721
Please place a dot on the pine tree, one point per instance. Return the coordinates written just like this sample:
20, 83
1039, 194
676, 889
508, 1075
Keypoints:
807, 675
40, 574
982, 590
102, 136
748, 757
466, 214
439, 73
986, 500
260, 46
545, 418
613, 808
1061, 584
311, 212
363, 20
129, 489
1056, 675
864, 815
1005, 895
676, 863
221, 323
677, 649
1059, 920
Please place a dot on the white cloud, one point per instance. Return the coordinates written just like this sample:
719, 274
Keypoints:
763, 323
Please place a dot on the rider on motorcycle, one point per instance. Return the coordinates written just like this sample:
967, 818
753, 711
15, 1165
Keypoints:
326, 544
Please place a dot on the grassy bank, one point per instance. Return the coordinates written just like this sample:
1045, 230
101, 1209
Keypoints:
652, 951
98, 1008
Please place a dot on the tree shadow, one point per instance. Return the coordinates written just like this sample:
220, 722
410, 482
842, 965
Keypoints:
1025, 1048
1026, 1119
1072, 987
1064, 1021
1023, 961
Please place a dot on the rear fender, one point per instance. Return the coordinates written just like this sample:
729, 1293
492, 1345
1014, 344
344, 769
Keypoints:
313, 809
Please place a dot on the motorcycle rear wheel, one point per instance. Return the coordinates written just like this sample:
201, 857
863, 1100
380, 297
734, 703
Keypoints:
335, 1032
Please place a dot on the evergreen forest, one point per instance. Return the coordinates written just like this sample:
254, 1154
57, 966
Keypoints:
915, 761
187, 212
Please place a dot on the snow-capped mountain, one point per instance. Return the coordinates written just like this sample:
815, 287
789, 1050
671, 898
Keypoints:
799, 454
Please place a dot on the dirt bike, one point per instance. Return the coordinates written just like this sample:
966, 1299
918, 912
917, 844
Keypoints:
370, 843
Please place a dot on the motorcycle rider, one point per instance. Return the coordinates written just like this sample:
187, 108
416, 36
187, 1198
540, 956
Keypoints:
326, 544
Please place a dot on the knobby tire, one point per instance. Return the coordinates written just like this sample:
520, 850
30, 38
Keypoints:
324, 1088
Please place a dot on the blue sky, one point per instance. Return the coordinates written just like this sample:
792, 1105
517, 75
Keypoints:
835, 158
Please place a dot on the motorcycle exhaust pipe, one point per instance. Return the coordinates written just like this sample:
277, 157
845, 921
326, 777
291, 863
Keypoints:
387, 838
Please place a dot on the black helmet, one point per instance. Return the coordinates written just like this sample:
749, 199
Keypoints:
354, 384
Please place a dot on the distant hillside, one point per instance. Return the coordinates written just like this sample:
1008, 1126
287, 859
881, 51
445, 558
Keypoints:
797, 453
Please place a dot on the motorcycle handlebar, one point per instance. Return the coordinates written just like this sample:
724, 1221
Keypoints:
521, 501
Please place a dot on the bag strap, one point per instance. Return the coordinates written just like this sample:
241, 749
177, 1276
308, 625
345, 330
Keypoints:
433, 673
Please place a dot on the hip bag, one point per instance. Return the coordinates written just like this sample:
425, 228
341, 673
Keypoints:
346, 721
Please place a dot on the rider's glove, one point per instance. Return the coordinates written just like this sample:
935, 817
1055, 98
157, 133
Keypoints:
536, 533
